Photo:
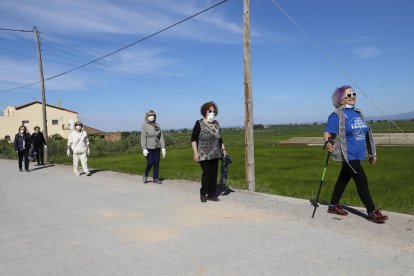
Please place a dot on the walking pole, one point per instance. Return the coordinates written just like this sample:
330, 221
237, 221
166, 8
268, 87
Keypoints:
323, 176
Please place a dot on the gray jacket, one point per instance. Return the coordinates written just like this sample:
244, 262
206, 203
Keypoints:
340, 150
151, 136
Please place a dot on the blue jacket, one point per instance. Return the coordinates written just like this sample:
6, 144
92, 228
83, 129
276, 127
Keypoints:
18, 142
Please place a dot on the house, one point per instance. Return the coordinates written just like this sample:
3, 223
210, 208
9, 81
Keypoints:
59, 120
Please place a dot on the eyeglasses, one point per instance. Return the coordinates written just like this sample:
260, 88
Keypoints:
211, 111
349, 95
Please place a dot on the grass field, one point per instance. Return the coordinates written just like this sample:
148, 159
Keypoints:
293, 171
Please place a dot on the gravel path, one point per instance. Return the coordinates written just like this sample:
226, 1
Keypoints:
54, 223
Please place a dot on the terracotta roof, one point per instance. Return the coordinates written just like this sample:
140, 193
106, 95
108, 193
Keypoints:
37, 102
92, 131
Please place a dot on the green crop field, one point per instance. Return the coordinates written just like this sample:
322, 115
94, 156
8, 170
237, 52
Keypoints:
293, 171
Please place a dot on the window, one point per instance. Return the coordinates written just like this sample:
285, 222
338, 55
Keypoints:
55, 122
25, 123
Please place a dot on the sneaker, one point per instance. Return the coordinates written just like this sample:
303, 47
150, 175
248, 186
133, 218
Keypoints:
20, 170
376, 216
144, 179
337, 209
27, 170
77, 173
157, 181
88, 174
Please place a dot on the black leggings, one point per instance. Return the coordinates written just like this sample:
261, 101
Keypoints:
209, 177
360, 180
24, 154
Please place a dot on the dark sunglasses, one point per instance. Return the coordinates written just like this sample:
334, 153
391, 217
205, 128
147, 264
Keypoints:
211, 111
349, 95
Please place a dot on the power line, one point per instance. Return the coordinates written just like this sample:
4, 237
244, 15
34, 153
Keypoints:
336, 64
125, 47
14, 30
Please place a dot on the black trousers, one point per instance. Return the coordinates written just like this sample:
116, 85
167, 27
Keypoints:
153, 160
209, 177
24, 154
360, 180
39, 156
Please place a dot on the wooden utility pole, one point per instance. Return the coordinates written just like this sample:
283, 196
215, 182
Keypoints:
248, 101
42, 85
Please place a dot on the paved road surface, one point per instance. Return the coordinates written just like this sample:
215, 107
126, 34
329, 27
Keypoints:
54, 223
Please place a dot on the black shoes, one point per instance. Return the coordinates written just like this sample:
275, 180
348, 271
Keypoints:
213, 199
205, 198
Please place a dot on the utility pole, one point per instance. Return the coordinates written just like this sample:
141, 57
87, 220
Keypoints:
42, 85
248, 101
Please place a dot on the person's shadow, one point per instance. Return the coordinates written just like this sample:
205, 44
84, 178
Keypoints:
94, 171
347, 208
41, 167
223, 190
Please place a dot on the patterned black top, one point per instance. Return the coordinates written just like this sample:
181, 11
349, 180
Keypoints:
208, 140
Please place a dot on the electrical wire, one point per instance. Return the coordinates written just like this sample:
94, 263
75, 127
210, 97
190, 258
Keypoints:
122, 48
336, 64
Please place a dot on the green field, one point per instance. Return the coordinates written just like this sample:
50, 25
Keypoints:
293, 171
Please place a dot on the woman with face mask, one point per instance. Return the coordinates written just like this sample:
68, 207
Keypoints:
22, 144
208, 149
38, 142
152, 144
351, 137
78, 142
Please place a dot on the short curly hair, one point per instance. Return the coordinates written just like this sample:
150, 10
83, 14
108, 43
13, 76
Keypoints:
338, 94
206, 106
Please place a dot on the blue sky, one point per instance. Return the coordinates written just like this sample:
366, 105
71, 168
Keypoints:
201, 59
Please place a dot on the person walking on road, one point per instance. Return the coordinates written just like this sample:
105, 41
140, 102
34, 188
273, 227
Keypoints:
208, 149
22, 144
152, 144
78, 142
38, 142
352, 137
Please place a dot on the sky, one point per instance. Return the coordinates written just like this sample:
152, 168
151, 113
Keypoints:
298, 58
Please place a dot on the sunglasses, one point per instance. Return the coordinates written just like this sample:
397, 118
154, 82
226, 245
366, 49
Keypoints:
349, 95
211, 111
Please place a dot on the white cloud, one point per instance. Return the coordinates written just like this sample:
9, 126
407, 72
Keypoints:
99, 17
367, 52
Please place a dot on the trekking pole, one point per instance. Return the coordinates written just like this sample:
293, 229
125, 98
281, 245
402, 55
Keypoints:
323, 175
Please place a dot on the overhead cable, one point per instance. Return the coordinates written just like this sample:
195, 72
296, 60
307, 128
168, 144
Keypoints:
123, 48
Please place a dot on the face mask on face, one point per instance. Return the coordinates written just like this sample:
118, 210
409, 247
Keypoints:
151, 118
210, 117
349, 105
78, 127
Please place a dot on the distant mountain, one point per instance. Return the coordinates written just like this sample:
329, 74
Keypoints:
400, 116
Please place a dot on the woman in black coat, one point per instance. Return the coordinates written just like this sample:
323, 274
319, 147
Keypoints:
38, 141
22, 144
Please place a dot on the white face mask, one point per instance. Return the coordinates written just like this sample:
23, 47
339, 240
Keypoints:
349, 105
78, 127
151, 118
210, 117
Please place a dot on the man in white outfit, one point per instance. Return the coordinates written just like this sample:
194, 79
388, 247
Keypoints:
79, 143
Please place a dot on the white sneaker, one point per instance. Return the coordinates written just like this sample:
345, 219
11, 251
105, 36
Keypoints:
77, 173
88, 174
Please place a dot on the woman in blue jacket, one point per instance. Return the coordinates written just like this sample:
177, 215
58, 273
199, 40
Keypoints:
22, 144
348, 129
